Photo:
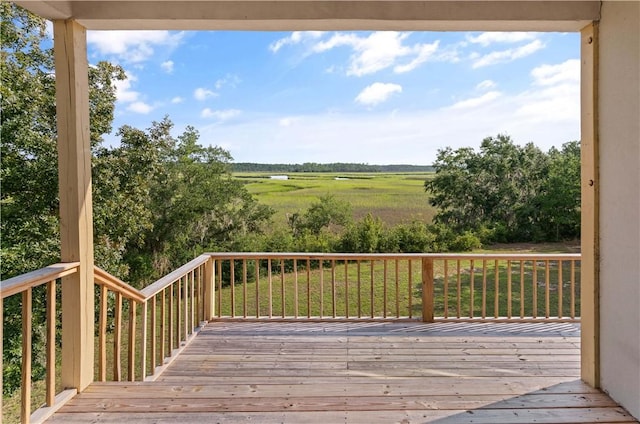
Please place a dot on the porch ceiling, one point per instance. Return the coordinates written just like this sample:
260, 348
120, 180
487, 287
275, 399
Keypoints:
437, 15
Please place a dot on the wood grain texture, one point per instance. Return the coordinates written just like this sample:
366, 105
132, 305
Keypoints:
361, 373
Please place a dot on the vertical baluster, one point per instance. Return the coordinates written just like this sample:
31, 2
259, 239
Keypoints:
270, 280
384, 288
496, 294
547, 289
359, 285
102, 335
179, 311
446, 288
333, 288
397, 290
117, 339
295, 289
346, 288
244, 287
534, 289
232, 281
308, 288
459, 286
51, 343
321, 288
410, 284
143, 341
471, 288
193, 301
560, 281
131, 365
154, 333
372, 289
509, 280
521, 288
25, 401
484, 288
283, 292
573, 289
198, 295
163, 326
257, 264
187, 302
219, 287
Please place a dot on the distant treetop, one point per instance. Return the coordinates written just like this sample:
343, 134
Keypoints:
327, 167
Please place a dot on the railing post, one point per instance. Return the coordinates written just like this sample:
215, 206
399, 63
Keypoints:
209, 289
76, 211
427, 290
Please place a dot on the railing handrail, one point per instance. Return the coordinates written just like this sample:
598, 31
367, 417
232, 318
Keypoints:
102, 277
159, 285
380, 256
21, 282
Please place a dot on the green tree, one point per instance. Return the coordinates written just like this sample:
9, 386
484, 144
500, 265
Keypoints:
560, 197
514, 191
189, 197
325, 212
29, 176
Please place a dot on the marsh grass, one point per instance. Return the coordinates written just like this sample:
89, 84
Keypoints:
393, 197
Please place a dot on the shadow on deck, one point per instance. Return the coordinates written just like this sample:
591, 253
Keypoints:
267, 372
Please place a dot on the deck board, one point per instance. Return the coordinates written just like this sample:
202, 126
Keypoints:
361, 373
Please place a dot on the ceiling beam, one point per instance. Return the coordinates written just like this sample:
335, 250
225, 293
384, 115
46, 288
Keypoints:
437, 15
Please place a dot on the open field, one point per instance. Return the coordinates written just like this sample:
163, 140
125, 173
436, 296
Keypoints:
393, 197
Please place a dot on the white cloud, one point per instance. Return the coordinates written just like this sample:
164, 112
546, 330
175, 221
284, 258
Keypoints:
201, 93
177, 100
547, 115
220, 115
508, 55
485, 85
140, 107
404, 137
568, 71
377, 92
296, 37
371, 52
132, 46
476, 101
487, 38
424, 53
167, 66
287, 121
230, 80
124, 93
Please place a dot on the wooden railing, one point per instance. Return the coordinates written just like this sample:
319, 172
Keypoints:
429, 287
151, 326
171, 311
24, 286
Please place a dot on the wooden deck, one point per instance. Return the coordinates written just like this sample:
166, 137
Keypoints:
268, 372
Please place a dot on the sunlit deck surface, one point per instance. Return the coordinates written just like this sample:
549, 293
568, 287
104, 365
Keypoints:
274, 372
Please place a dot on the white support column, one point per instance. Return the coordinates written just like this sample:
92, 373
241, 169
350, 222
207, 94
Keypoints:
76, 210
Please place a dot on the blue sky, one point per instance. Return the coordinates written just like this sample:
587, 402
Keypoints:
366, 97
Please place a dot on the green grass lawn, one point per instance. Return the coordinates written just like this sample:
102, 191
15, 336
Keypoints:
393, 197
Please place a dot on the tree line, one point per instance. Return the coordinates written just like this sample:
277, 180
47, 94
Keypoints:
326, 167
